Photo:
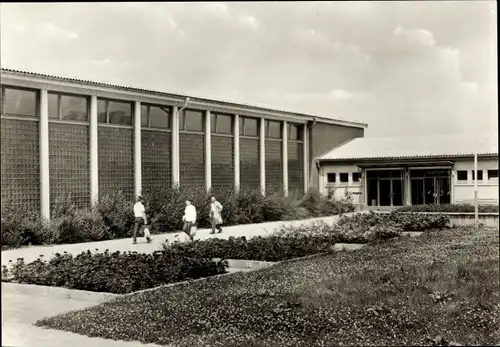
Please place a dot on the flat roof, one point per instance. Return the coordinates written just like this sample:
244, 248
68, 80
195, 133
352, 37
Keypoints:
342, 122
449, 145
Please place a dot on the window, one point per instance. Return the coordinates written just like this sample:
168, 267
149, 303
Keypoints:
221, 123
159, 117
249, 126
492, 175
356, 176
114, 112
102, 106
119, 113
68, 107
295, 132
331, 177
273, 129
144, 116
53, 106
462, 175
191, 120
344, 177
479, 175
19, 102
74, 108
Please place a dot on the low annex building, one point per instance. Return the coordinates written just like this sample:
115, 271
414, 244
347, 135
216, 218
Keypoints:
390, 172
62, 136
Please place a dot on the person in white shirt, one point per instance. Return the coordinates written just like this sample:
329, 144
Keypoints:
140, 218
189, 218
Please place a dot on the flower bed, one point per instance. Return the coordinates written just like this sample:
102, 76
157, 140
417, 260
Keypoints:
448, 208
441, 287
112, 218
112, 272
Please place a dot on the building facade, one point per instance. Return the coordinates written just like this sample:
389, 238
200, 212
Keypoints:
387, 173
63, 136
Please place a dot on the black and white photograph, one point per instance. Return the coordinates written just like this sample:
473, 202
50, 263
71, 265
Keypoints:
249, 174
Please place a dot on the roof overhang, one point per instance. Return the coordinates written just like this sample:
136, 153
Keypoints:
25, 79
405, 159
439, 163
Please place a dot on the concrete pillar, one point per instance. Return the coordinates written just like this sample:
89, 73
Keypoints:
305, 147
94, 152
262, 155
137, 149
44, 155
208, 151
236, 142
284, 148
407, 185
175, 147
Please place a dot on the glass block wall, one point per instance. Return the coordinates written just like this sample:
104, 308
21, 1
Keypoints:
116, 161
295, 167
192, 160
274, 167
222, 163
20, 164
249, 164
69, 160
156, 148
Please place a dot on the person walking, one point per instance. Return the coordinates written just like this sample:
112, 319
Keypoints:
189, 218
215, 215
140, 218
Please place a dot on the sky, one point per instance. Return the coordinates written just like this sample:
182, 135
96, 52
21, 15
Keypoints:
405, 68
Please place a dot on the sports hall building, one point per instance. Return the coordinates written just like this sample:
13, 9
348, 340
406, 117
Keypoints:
63, 136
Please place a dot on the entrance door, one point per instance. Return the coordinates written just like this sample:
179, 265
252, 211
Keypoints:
385, 192
417, 191
430, 191
397, 192
443, 190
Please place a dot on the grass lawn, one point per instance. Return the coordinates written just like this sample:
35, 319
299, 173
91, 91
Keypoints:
442, 286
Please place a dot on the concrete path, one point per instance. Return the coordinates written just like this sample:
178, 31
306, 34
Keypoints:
249, 230
20, 311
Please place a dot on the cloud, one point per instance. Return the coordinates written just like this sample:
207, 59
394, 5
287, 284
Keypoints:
50, 30
422, 36
403, 67
249, 21
105, 61
340, 94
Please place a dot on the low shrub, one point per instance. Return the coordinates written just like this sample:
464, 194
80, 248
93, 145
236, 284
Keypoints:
117, 213
271, 248
83, 225
420, 222
112, 272
20, 226
448, 208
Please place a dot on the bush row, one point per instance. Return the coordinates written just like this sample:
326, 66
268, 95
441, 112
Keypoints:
450, 208
116, 272
127, 272
113, 216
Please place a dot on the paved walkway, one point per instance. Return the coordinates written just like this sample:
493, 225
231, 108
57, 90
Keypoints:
249, 230
20, 311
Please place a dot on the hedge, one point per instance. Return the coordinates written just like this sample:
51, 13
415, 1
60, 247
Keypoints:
448, 208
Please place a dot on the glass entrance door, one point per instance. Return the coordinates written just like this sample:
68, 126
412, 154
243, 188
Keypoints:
385, 192
417, 191
430, 190
443, 190
397, 192
430, 186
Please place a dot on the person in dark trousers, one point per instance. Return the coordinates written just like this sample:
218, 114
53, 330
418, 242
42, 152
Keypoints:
140, 218
215, 215
189, 218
